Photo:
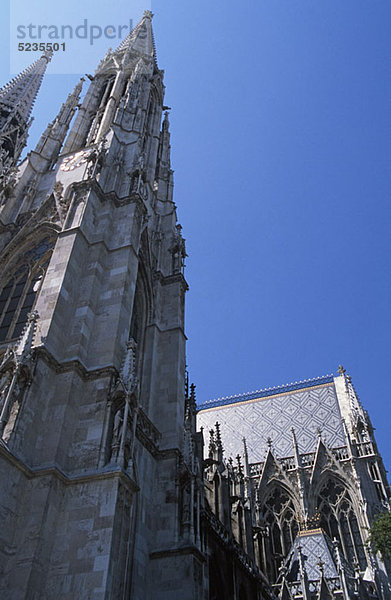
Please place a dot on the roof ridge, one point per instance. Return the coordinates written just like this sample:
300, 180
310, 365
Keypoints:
302, 384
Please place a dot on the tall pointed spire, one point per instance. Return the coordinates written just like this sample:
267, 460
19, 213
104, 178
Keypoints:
140, 39
16, 104
121, 82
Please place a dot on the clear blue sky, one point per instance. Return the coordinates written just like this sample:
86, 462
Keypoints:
281, 140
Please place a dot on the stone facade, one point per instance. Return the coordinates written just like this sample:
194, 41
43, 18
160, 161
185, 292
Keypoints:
106, 491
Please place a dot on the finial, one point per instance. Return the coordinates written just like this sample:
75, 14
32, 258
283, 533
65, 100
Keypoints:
212, 446
218, 434
341, 370
337, 553
148, 14
48, 55
283, 570
319, 432
244, 445
269, 442
240, 466
26, 340
356, 568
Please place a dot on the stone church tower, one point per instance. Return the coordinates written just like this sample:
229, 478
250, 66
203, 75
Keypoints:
106, 490
92, 363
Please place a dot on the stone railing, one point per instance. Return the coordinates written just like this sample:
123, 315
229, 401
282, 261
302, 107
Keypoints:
296, 589
256, 469
341, 453
307, 459
288, 463
365, 449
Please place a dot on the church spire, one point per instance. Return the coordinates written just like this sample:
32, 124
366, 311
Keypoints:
122, 83
16, 104
138, 48
140, 39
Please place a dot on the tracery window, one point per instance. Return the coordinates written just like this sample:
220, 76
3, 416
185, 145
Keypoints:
339, 521
18, 295
280, 517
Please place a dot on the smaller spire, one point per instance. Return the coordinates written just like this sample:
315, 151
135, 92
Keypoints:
193, 394
296, 451
19, 94
239, 463
245, 451
166, 120
218, 433
337, 552
25, 344
17, 99
211, 442
52, 139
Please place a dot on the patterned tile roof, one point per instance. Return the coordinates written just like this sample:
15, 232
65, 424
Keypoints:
314, 545
307, 406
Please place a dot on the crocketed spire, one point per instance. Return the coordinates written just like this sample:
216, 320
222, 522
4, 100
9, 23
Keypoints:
16, 104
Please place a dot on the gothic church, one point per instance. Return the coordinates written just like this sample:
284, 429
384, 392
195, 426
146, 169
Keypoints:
114, 484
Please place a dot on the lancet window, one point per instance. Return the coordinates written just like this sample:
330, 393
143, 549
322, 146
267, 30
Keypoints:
339, 521
17, 296
280, 517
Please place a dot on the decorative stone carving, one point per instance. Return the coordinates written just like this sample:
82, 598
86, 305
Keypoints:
8, 173
178, 251
15, 376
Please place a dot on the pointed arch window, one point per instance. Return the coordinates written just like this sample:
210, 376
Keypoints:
339, 520
138, 322
17, 297
280, 517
